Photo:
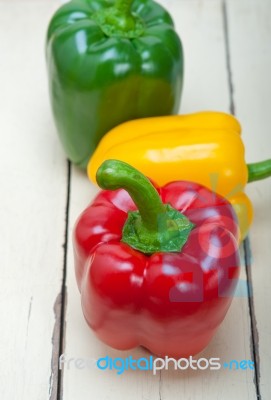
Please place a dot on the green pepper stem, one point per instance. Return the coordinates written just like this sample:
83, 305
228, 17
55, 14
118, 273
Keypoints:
124, 6
114, 174
259, 170
122, 17
117, 20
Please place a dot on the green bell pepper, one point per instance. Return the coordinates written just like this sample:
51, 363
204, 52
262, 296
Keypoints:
110, 62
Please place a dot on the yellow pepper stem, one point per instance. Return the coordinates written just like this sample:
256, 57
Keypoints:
259, 170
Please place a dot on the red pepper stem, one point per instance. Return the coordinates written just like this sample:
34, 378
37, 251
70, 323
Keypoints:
114, 174
259, 170
155, 226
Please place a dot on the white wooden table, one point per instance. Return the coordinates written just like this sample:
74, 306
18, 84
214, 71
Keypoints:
228, 66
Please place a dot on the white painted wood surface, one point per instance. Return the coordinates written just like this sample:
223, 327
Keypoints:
223, 41
251, 66
33, 197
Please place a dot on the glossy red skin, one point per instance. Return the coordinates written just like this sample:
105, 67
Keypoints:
170, 303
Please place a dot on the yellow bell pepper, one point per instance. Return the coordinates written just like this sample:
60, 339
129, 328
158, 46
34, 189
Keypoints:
204, 147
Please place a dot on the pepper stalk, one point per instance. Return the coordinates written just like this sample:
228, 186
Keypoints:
259, 170
155, 226
118, 20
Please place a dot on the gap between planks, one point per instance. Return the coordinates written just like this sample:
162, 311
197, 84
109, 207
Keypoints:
254, 339
58, 338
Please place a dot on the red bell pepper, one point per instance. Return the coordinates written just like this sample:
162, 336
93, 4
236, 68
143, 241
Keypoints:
156, 267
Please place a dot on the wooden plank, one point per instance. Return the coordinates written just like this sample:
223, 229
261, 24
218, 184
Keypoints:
200, 24
33, 196
207, 87
251, 65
